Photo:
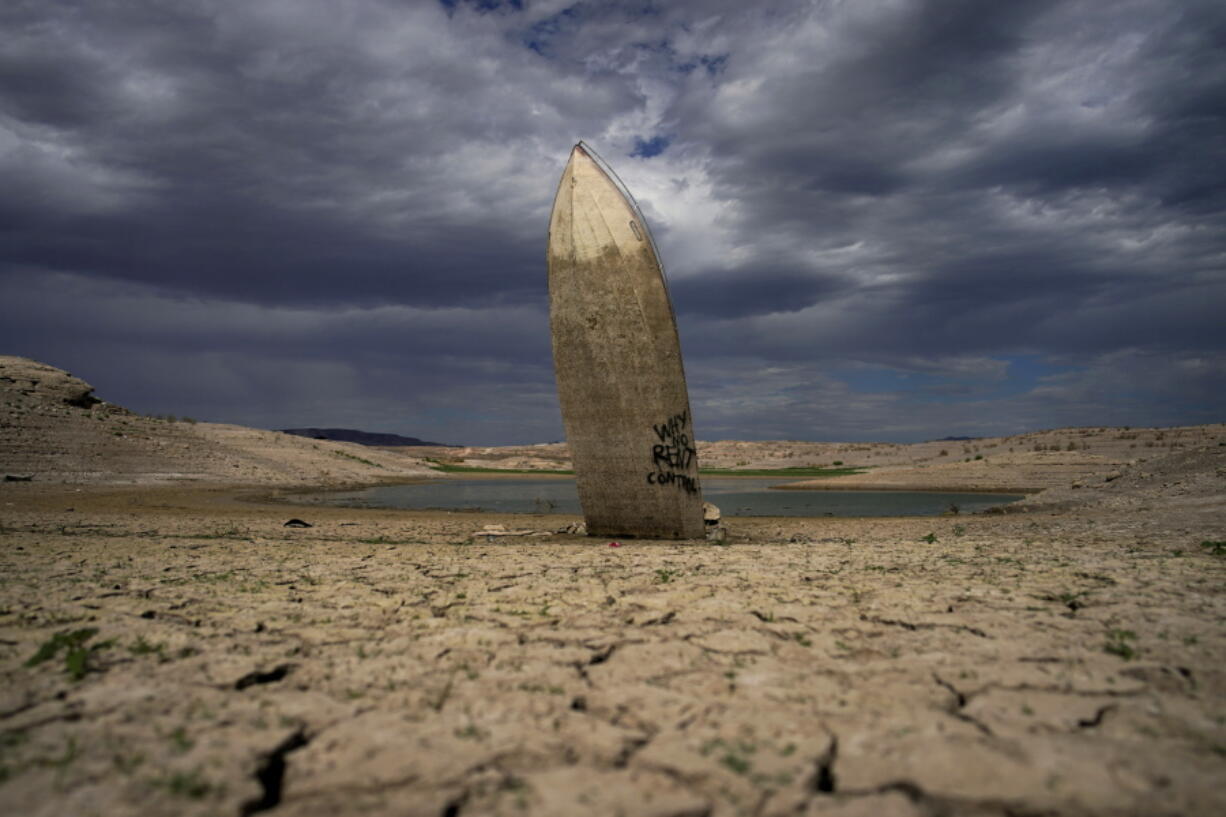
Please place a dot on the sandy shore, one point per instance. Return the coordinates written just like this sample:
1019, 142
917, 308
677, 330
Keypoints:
212, 661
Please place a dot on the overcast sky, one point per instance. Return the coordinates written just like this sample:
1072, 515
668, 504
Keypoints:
880, 220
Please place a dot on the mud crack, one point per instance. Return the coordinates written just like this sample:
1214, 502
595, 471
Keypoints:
271, 775
273, 675
1090, 723
960, 701
924, 625
824, 781
601, 656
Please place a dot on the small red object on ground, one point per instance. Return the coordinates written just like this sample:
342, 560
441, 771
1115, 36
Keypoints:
615, 544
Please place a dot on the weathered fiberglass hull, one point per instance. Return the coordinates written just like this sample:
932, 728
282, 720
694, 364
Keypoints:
617, 358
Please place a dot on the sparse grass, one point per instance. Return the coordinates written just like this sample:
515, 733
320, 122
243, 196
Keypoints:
143, 647
77, 656
356, 458
734, 756
799, 471
180, 741
1214, 548
736, 763
185, 784
1117, 644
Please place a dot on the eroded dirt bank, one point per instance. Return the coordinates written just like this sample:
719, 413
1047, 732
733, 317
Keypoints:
198, 657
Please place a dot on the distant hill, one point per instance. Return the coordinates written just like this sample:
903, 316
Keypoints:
349, 435
53, 430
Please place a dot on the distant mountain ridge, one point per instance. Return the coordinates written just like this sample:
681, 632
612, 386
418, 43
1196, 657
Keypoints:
349, 435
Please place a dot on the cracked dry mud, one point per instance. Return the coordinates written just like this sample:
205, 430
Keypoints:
385, 662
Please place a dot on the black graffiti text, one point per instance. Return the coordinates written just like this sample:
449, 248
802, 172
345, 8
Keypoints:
674, 455
683, 481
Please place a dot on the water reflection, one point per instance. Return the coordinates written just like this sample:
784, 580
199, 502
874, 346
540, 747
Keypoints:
734, 495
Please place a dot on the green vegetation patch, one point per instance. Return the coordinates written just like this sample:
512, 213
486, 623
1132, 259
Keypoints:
76, 654
349, 456
1118, 643
782, 472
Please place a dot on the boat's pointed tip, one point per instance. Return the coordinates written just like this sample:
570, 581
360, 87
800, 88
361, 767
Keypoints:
579, 153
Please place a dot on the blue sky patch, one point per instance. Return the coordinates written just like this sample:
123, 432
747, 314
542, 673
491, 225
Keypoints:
646, 148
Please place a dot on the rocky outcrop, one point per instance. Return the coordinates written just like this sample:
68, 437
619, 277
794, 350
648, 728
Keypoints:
43, 382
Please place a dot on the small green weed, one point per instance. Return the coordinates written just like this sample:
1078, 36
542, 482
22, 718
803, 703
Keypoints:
185, 784
665, 575
930, 538
180, 740
143, 647
736, 763
76, 655
1215, 548
1117, 644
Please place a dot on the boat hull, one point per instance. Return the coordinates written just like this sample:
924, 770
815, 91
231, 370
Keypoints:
617, 358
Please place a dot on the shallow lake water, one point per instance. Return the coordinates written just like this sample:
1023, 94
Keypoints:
735, 496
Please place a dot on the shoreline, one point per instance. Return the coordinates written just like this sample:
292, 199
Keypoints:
1026, 492
286, 497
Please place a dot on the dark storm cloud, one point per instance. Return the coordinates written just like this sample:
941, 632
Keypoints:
1016, 182
881, 220
278, 153
739, 293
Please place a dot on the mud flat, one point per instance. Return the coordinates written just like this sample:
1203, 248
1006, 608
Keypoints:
178, 650
168, 646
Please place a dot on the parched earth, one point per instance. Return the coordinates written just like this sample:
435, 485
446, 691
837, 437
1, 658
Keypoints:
172, 650
168, 646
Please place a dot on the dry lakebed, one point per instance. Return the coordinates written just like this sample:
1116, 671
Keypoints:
168, 646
